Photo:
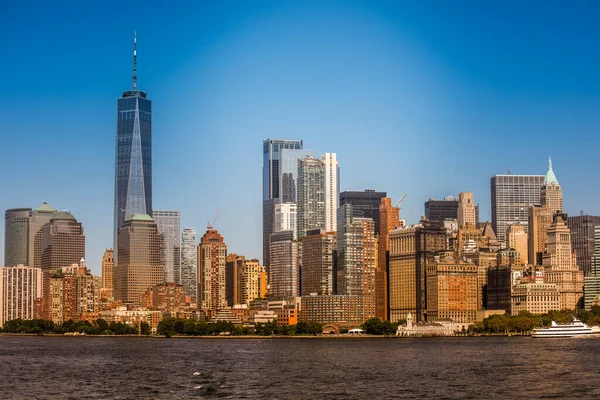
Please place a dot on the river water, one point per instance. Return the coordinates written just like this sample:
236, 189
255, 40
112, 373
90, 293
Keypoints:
360, 368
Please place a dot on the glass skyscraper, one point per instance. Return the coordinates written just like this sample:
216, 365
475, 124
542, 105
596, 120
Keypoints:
168, 225
133, 169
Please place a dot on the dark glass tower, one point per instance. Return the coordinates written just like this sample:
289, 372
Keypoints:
133, 169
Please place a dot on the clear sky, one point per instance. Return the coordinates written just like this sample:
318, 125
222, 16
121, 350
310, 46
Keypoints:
425, 98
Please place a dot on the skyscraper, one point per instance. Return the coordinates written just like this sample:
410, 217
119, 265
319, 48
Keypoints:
286, 216
16, 230
272, 178
140, 265
389, 219
440, 210
551, 193
311, 195
20, 289
466, 214
284, 274
133, 156
582, 239
108, 269
332, 190
168, 226
512, 195
63, 242
39, 217
367, 202
517, 239
189, 263
212, 255
319, 250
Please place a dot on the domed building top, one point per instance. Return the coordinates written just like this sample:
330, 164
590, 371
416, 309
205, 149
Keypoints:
550, 178
63, 215
139, 217
45, 207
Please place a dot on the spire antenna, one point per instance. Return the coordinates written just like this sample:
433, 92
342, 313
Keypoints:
134, 61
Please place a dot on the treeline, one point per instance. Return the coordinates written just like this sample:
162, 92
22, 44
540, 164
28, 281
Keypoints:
375, 326
98, 327
526, 321
187, 327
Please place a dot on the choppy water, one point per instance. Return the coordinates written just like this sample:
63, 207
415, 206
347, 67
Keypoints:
132, 368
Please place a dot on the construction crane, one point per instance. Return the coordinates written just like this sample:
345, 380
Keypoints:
212, 226
399, 202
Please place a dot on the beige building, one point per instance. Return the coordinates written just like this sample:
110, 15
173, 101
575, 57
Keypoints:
167, 297
560, 264
467, 215
133, 317
551, 193
452, 291
250, 280
389, 219
331, 309
140, 264
318, 249
534, 297
517, 239
212, 256
20, 292
108, 266
63, 242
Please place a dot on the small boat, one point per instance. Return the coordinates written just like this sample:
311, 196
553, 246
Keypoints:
575, 328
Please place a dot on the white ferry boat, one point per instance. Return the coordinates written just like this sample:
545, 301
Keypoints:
575, 328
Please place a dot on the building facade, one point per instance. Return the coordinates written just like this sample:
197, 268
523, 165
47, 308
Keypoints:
534, 297
285, 219
318, 263
441, 210
16, 234
21, 291
389, 219
331, 309
212, 255
108, 268
63, 242
169, 227
466, 213
39, 217
284, 276
365, 203
332, 190
189, 263
582, 239
311, 195
517, 239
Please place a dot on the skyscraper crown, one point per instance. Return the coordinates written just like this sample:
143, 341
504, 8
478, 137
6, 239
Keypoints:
550, 178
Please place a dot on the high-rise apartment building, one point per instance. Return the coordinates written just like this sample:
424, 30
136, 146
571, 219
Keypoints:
140, 265
108, 268
284, 274
311, 195
63, 241
582, 239
389, 219
251, 280
169, 227
560, 264
466, 213
231, 276
189, 263
16, 231
212, 255
412, 249
39, 217
273, 163
441, 210
20, 292
286, 216
517, 239
512, 196
133, 155
366, 202
319, 250
332, 190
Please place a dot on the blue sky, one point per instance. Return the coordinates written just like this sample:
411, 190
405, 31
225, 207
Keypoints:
429, 99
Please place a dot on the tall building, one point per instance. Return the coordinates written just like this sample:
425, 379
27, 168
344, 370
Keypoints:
332, 190
319, 250
582, 239
591, 286
39, 217
517, 239
212, 255
284, 274
169, 227
288, 173
273, 163
108, 268
389, 219
16, 231
366, 202
512, 195
412, 249
189, 263
539, 219
560, 264
286, 216
140, 265
231, 276
441, 210
20, 292
133, 155
63, 241
551, 193
251, 282
311, 195
466, 213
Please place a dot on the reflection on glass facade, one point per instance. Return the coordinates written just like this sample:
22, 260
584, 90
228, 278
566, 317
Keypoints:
168, 226
16, 225
189, 262
288, 178
133, 174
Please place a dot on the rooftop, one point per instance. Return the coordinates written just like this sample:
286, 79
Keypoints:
45, 207
139, 217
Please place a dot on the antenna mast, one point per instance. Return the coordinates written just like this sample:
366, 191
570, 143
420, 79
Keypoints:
134, 61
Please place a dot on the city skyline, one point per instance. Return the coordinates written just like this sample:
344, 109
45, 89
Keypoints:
79, 174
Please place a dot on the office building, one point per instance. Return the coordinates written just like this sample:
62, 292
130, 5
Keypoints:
108, 268
389, 219
16, 231
441, 210
365, 203
251, 280
517, 240
319, 250
189, 263
140, 265
591, 286
551, 193
284, 276
311, 195
39, 217
582, 239
466, 210
540, 219
534, 297
332, 190
20, 292
169, 227
512, 196
212, 256
63, 241
285, 218
133, 155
